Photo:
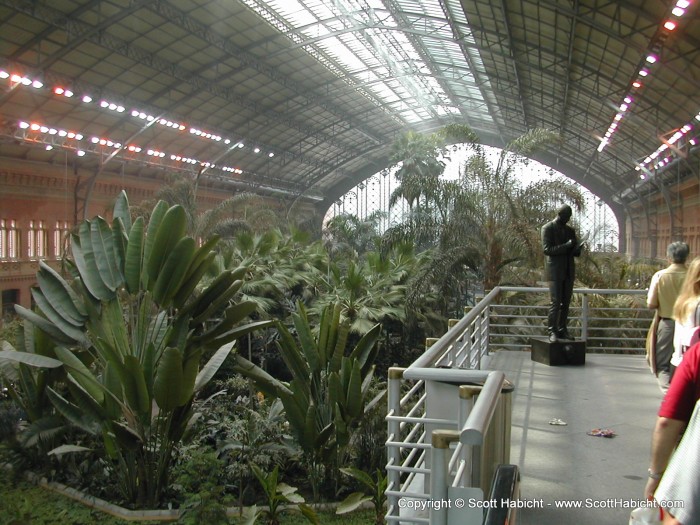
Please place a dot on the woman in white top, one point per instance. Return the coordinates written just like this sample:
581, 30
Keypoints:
686, 313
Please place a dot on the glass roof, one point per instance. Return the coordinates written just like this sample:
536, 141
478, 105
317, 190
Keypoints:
417, 60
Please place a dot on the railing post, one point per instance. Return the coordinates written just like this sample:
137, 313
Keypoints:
440, 476
466, 403
584, 317
395, 376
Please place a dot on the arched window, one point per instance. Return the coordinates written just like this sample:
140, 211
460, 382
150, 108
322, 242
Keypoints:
31, 241
60, 233
41, 239
9, 239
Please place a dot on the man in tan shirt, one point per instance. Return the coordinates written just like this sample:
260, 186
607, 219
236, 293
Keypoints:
663, 290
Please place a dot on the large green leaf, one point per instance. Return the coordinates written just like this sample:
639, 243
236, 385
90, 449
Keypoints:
217, 304
59, 321
173, 272
264, 381
85, 402
60, 294
233, 315
135, 389
167, 388
120, 240
169, 233
190, 369
81, 373
116, 338
192, 279
328, 335
154, 222
353, 502
353, 392
84, 259
126, 437
114, 395
366, 350
45, 325
290, 353
234, 333
102, 242
214, 291
121, 210
34, 360
212, 366
307, 343
67, 449
338, 352
134, 257
71, 412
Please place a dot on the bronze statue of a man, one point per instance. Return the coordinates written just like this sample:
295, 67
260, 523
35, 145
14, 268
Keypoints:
560, 247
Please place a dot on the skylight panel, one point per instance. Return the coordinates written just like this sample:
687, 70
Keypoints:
366, 43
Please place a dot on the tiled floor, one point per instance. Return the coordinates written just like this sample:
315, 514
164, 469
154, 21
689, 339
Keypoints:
562, 464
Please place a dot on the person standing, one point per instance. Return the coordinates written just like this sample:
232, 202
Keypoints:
677, 408
663, 291
560, 246
686, 314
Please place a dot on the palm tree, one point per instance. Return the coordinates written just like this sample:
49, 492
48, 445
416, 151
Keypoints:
481, 225
243, 212
348, 235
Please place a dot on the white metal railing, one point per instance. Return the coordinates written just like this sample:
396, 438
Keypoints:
438, 415
609, 320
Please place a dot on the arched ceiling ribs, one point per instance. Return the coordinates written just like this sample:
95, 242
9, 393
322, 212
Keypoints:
174, 15
142, 56
569, 60
43, 35
514, 64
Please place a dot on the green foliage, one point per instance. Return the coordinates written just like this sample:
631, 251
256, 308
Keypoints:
375, 485
277, 497
329, 391
200, 480
130, 333
477, 228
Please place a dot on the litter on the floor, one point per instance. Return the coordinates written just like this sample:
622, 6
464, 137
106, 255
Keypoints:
601, 432
557, 421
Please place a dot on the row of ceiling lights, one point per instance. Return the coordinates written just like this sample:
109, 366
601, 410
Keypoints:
19, 80
40, 129
658, 159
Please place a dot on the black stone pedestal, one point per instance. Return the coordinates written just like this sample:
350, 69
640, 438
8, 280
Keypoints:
563, 352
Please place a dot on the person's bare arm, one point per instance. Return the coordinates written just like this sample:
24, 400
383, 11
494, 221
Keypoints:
663, 442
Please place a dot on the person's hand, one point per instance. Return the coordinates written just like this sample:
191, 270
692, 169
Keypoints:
569, 243
649, 490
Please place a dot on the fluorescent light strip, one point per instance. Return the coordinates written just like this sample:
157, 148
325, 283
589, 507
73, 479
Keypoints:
651, 58
133, 148
20, 80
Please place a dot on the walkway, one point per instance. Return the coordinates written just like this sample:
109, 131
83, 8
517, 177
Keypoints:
561, 464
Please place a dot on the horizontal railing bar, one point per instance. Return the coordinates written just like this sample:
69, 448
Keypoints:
589, 291
406, 419
417, 470
408, 444
416, 495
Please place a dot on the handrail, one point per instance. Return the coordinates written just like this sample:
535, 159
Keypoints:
479, 417
589, 291
436, 400
430, 356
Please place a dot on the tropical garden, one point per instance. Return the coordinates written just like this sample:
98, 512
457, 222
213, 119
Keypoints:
227, 358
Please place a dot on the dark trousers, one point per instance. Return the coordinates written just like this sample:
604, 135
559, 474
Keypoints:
560, 293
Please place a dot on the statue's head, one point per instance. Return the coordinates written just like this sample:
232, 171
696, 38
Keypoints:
564, 214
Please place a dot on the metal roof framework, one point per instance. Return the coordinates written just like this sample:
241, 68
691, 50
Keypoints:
303, 98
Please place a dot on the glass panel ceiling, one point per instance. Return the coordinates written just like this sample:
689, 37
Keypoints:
415, 59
